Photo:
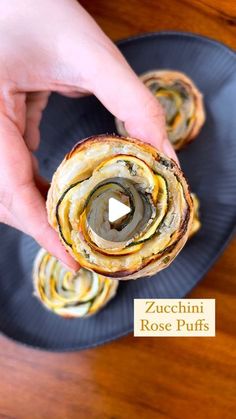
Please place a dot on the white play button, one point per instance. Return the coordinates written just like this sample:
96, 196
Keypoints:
116, 209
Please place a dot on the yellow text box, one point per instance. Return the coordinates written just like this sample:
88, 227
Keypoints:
174, 317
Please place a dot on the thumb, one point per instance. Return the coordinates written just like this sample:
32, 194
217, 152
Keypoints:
22, 204
28, 206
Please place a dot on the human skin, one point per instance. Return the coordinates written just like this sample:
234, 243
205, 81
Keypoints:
50, 46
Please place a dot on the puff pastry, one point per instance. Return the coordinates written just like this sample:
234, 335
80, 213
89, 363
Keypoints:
151, 235
182, 102
67, 294
196, 224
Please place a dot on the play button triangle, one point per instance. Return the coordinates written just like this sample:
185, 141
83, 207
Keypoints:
117, 209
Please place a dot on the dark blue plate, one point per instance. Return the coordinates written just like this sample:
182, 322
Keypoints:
209, 163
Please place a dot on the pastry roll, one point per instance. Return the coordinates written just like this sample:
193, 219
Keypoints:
68, 294
196, 224
144, 241
182, 102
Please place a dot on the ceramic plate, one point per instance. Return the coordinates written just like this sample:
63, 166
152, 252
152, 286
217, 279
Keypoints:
209, 164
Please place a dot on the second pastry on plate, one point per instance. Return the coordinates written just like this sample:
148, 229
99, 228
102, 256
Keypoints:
69, 294
182, 102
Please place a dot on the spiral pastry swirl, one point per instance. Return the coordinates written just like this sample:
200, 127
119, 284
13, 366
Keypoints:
182, 103
68, 294
135, 173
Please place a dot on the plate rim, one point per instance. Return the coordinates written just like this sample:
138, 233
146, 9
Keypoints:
183, 34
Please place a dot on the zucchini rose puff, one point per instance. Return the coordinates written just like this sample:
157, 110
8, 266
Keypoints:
142, 242
182, 103
68, 294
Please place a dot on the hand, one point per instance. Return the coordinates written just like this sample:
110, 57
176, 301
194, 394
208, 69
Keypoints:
56, 46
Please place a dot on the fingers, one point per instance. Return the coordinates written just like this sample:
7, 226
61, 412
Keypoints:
22, 205
82, 59
35, 104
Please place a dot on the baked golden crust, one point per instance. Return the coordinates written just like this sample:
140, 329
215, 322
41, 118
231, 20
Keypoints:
67, 294
182, 102
196, 224
152, 181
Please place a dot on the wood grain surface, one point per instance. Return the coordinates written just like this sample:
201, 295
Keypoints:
139, 377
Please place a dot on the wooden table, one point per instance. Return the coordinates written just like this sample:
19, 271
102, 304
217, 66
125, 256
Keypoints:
142, 377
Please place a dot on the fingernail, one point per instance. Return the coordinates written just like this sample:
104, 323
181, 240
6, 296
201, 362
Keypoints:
167, 148
74, 269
